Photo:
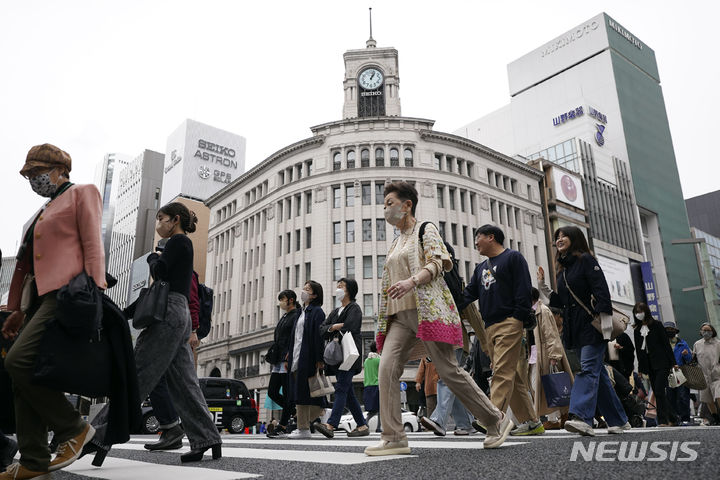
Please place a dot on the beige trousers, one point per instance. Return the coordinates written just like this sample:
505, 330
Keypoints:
306, 414
509, 385
400, 338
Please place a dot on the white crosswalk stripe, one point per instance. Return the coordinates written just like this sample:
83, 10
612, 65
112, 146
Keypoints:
122, 469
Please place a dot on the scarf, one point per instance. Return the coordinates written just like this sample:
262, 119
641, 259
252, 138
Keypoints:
644, 330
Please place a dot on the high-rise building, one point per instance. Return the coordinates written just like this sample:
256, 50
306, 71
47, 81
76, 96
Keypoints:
703, 212
6, 272
138, 199
314, 210
590, 100
104, 174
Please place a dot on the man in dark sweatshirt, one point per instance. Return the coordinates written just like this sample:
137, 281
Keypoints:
503, 287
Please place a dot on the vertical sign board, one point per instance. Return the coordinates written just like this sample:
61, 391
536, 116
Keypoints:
650, 291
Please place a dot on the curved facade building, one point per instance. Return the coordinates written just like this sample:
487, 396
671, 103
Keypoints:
313, 210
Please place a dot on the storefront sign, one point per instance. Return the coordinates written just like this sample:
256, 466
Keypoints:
566, 117
568, 188
569, 38
650, 290
625, 34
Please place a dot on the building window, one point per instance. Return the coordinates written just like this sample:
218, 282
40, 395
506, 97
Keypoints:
366, 190
349, 196
379, 190
308, 237
351, 159
337, 274
453, 233
336, 197
467, 272
408, 154
368, 305
350, 231
308, 271
441, 196
367, 266
394, 157
451, 194
298, 205
350, 267
379, 157
465, 236
280, 213
367, 230
337, 238
365, 158
279, 249
380, 229
472, 204
337, 161
462, 201
441, 229
437, 161
298, 241
297, 275
287, 243
380, 265
308, 202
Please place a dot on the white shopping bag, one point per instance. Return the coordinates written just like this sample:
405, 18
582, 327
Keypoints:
676, 378
350, 352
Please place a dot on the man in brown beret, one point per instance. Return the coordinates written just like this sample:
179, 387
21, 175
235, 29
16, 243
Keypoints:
47, 167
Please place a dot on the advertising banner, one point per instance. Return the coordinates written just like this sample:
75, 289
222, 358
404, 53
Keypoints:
650, 291
568, 188
619, 280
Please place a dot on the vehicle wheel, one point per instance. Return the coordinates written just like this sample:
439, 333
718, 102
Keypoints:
407, 427
237, 424
150, 423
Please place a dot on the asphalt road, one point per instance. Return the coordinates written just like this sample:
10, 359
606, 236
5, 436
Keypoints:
546, 456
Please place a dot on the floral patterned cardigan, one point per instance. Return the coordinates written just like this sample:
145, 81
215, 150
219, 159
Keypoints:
438, 319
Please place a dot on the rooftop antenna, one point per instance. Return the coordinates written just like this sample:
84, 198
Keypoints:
371, 43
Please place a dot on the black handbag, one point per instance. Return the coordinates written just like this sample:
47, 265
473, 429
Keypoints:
73, 364
79, 306
7, 406
152, 304
273, 354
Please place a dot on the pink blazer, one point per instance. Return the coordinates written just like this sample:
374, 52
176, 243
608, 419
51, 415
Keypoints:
67, 240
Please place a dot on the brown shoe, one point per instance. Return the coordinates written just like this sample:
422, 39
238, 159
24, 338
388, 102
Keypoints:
18, 472
552, 425
70, 451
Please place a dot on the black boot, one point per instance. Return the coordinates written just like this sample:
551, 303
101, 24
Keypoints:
716, 419
170, 439
100, 453
197, 454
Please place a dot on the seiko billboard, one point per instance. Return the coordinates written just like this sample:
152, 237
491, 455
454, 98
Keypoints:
200, 160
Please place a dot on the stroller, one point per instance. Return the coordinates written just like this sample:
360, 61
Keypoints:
633, 406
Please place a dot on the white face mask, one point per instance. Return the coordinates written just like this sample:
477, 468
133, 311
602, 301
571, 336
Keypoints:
394, 215
304, 296
640, 316
339, 293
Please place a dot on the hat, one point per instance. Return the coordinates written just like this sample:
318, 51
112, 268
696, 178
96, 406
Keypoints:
46, 156
670, 325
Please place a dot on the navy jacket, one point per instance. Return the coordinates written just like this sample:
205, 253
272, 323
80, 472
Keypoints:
502, 293
311, 352
659, 354
351, 318
586, 279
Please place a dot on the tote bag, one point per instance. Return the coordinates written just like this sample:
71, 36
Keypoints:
152, 305
676, 378
557, 387
349, 351
320, 385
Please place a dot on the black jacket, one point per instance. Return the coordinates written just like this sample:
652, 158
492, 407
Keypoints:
283, 332
658, 354
311, 352
351, 317
586, 279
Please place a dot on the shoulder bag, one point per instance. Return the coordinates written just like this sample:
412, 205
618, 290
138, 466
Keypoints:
320, 385
152, 304
694, 375
620, 321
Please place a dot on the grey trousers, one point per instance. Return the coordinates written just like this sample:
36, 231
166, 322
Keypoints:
163, 349
401, 336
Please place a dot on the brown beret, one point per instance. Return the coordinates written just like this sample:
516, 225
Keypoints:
46, 156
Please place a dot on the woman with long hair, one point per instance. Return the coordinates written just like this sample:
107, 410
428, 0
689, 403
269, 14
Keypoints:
655, 359
163, 347
579, 280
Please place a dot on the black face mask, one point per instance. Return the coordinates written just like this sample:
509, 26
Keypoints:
670, 334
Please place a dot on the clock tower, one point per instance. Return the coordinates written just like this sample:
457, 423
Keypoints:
372, 82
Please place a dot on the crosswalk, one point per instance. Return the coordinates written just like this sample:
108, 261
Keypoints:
340, 451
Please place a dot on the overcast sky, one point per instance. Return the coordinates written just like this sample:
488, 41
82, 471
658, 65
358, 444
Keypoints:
95, 77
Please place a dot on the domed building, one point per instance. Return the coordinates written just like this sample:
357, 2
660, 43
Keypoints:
314, 210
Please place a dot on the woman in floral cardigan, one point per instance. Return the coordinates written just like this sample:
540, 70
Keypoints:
418, 317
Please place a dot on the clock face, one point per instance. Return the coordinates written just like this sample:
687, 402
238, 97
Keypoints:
370, 79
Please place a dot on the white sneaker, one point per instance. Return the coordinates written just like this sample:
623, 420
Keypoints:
298, 434
503, 430
464, 431
619, 428
578, 426
389, 448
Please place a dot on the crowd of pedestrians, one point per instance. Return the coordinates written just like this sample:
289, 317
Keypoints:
489, 381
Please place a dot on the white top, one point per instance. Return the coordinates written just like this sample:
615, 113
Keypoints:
299, 329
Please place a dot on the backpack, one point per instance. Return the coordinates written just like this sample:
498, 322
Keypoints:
452, 278
205, 298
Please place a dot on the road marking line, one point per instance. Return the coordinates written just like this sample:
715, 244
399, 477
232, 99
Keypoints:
123, 469
310, 456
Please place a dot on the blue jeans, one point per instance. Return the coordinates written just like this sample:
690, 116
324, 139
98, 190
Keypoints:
447, 402
592, 388
679, 398
344, 394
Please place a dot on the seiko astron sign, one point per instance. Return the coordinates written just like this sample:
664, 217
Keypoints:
200, 160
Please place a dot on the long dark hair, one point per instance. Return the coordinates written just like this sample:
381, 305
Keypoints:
642, 307
188, 219
578, 243
317, 291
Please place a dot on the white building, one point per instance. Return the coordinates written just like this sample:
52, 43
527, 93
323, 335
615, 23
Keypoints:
590, 101
133, 230
104, 174
313, 210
